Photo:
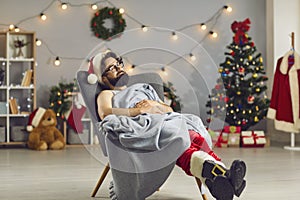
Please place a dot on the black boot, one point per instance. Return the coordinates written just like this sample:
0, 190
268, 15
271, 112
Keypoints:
223, 183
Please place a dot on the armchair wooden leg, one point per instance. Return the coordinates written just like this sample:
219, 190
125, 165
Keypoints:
101, 179
199, 183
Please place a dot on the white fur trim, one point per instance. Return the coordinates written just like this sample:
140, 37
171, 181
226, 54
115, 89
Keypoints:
284, 64
38, 116
286, 126
197, 160
294, 87
29, 128
97, 66
92, 79
271, 113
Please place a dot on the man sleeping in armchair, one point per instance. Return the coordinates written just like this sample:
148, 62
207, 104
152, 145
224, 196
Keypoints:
144, 135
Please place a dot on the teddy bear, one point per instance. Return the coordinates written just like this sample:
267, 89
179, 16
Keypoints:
43, 133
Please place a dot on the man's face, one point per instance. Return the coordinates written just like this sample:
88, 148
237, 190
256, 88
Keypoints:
114, 72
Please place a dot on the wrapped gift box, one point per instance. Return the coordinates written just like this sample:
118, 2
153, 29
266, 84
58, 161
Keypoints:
234, 139
253, 139
233, 135
222, 140
232, 129
214, 135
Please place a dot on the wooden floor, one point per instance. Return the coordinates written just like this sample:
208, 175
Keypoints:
273, 173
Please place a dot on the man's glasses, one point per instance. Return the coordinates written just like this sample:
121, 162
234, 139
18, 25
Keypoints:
118, 65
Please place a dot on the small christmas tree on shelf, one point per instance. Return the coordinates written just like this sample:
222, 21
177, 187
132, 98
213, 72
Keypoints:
239, 96
61, 98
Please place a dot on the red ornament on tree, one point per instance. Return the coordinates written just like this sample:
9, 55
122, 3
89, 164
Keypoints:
217, 87
241, 70
250, 99
226, 99
110, 12
232, 53
244, 122
97, 14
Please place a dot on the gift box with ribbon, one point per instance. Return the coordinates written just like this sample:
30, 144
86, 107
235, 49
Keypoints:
253, 139
233, 135
214, 135
222, 140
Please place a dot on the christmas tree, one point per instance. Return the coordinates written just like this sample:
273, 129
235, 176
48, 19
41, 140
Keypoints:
61, 98
239, 96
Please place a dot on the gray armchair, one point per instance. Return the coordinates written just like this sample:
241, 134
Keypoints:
90, 92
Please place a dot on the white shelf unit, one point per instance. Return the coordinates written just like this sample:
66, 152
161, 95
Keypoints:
19, 83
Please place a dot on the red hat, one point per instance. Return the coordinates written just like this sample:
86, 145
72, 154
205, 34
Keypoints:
35, 118
95, 70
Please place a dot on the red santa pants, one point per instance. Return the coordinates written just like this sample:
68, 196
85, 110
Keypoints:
198, 143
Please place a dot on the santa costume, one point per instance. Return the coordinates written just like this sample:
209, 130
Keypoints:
284, 106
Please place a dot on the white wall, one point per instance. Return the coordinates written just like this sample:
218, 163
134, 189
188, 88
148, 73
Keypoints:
67, 33
286, 20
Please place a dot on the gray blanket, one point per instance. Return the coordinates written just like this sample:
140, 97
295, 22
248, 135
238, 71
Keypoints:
143, 150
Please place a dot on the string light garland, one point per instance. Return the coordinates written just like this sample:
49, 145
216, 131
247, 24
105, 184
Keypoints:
94, 6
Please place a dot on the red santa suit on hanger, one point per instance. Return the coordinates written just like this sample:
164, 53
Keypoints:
284, 106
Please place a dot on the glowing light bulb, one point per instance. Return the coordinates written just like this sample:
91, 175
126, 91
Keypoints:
17, 29
38, 42
94, 7
11, 27
203, 26
43, 16
174, 36
228, 8
57, 61
213, 34
164, 71
144, 28
64, 6
131, 68
193, 58
121, 10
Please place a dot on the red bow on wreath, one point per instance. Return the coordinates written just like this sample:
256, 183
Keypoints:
240, 28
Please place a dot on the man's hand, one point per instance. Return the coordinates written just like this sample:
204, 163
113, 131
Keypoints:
150, 106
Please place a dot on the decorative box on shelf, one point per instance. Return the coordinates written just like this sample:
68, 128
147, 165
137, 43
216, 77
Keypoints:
78, 138
18, 134
253, 138
3, 107
2, 134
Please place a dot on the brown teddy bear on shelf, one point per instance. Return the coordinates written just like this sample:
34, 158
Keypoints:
43, 132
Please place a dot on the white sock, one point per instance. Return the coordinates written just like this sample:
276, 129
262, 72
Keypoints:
197, 160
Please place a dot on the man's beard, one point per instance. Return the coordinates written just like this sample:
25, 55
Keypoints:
120, 81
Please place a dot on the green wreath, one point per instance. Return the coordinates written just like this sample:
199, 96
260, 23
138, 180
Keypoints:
97, 23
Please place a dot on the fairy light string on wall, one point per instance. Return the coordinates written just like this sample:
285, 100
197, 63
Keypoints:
206, 26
